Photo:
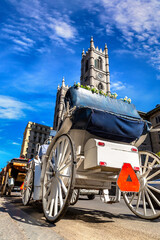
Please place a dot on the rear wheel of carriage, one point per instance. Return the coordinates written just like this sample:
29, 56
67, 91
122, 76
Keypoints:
91, 196
146, 203
59, 179
28, 185
75, 196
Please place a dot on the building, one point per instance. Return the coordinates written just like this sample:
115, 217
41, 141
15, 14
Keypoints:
34, 133
152, 143
94, 72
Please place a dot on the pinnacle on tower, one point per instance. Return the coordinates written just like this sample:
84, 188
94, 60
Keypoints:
83, 53
63, 82
92, 43
106, 49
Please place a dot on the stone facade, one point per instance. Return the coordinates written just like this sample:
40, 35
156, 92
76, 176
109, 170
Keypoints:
152, 143
34, 133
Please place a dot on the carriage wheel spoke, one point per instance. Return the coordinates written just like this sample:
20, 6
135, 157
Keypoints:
63, 175
65, 157
153, 175
154, 182
66, 146
49, 173
138, 200
150, 203
63, 185
51, 164
152, 195
145, 165
144, 203
48, 191
61, 151
60, 195
132, 198
153, 188
56, 202
65, 166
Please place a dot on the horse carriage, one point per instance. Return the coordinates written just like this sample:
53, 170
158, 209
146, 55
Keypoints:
96, 148
13, 175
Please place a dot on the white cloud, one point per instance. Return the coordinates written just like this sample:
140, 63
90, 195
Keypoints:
11, 108
138, 24
15, 143
36, 25
117, 85
64, 30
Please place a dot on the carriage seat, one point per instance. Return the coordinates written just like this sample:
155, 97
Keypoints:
105, 117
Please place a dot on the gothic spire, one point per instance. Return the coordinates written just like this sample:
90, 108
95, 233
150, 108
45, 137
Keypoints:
106, 49
63, 82
92, 43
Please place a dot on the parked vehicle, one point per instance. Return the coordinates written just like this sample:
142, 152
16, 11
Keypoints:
77, 193
13, 175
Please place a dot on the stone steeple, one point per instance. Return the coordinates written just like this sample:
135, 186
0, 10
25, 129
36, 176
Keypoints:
95, 68
58, 114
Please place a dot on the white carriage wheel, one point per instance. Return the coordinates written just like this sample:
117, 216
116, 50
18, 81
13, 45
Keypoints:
28, 185
75, 196
58, 179
146, 203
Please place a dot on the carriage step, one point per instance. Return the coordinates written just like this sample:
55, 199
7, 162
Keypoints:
111, 195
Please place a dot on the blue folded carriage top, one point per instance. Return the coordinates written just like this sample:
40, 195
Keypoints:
105, 117
80, 97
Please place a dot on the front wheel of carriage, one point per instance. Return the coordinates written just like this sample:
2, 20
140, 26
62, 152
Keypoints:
146, 203
58, 182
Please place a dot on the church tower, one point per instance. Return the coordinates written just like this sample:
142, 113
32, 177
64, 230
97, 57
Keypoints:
59, 107
95, 68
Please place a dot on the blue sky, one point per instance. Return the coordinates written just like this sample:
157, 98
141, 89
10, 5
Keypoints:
42, 41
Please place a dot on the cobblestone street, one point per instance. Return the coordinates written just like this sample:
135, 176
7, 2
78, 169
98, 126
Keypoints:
88, 219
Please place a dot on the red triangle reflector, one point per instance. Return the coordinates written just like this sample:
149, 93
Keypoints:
127, 180
22, 186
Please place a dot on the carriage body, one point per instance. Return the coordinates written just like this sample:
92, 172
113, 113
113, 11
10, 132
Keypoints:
96, 137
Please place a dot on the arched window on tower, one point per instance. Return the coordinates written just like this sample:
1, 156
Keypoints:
86, 66
98, 63
100, 86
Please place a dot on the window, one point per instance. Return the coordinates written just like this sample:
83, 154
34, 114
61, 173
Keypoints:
158, 119
98, 63
32, 150
86, 66
100, 86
